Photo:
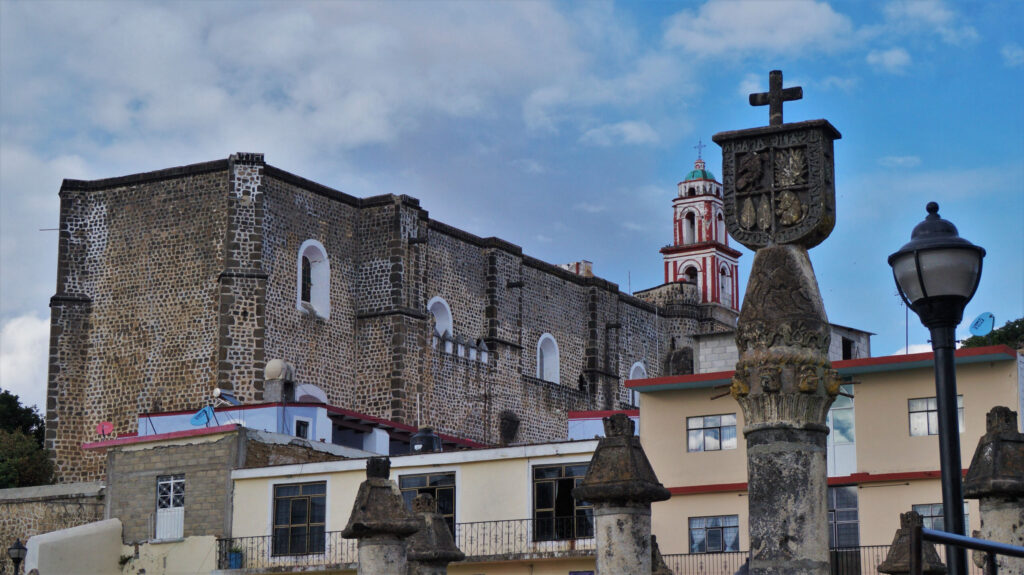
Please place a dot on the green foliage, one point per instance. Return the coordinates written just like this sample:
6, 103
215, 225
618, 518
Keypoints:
23, 462
1011, 334
16, 417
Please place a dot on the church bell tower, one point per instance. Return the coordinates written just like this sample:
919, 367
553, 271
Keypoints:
700, 251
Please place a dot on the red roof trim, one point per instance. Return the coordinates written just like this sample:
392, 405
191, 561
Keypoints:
856, 478
1004, 350
600, 414
130, 439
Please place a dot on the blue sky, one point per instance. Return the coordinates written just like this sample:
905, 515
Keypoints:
562, 127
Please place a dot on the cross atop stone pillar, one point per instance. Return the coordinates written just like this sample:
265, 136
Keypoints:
996, 479
621, 485
779, 199
380, 522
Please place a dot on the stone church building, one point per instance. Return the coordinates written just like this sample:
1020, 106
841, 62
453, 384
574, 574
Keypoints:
175, 282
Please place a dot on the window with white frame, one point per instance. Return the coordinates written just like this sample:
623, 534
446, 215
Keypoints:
924, 415
711, 432
714, 534
170, 506
300, 514
547, 358
637, 371
843, 519
313, 279
931, 515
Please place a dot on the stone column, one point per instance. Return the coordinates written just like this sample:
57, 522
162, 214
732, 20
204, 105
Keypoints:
785, 385
431, 548
996, 479
621, 485
897, 561
380, 522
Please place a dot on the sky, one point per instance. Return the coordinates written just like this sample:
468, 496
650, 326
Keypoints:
562, 127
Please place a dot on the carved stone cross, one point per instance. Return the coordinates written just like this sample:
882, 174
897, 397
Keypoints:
775, 96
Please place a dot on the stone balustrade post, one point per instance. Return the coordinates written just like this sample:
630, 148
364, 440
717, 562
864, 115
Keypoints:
621, 485
380, 522
897, 561
432, 548
996, 480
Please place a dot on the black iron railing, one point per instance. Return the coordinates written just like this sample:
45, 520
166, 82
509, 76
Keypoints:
557, 537
261, 551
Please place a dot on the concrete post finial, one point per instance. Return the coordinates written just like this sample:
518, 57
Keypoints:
1001, 419
619, 425
424, 503
897, 561
378, 467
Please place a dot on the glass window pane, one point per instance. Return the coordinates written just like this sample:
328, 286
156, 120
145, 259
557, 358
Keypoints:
713, 421
694, 422
446, 501
960, 401
286, 490
960, 419
696, 522
842, 425
729, 419
714, 522
697, 541
711, 442
846, 497
848, 535
547, 472
932, 403
447, 479
731, 535
919, 424
281, 508
316, 539
314, 489
576, 470
408, 496
297, 540
318, 510
729, 437
545, 495
933, 423
409, 481
918, 405
731, 520
714, 540
300, 511
281, 541
695, 440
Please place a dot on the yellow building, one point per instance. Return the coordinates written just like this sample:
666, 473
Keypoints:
883, 453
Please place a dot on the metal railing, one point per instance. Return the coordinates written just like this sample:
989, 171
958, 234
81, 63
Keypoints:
863, 560
522, 538
918, 535
261, 551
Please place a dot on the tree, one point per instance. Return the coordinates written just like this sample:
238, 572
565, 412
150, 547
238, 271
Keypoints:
1011, 334
23, 460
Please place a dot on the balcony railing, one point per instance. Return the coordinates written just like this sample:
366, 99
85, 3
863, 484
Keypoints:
521, 539
844, 561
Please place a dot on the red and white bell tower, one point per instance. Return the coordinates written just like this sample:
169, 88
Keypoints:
700, 251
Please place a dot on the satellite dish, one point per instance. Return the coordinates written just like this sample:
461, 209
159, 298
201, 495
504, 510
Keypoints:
983, 324
202, 417
105, 428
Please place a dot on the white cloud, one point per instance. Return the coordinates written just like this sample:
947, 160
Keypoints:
24, 353
529, 166
1013, 55
900, 161
590, 208
931, 16
620, 133
635, 227
747, 26
913, 348
893, 60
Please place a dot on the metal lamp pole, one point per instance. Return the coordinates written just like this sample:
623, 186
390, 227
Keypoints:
937, 273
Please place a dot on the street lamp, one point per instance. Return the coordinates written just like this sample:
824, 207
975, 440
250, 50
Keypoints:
937, 273
16, 552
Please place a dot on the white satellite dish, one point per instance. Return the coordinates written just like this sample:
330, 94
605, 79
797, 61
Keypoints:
983, 324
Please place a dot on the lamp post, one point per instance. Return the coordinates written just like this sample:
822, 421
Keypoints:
16, 552
937, 273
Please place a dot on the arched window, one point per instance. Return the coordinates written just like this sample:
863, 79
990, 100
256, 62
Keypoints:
692, 191
691, 274
547, 358
720, 236
725, 287
638, 371
689, 228
313, 278
442, 315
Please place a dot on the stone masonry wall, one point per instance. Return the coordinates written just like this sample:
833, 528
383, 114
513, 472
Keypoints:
134, 321
29, 511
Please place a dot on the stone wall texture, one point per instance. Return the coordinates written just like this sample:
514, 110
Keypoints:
29, 511
173, 282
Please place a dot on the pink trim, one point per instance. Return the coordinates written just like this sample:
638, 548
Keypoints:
130, 439
600, 414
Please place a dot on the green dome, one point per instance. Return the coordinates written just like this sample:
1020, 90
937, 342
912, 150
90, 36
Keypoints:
700, 174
